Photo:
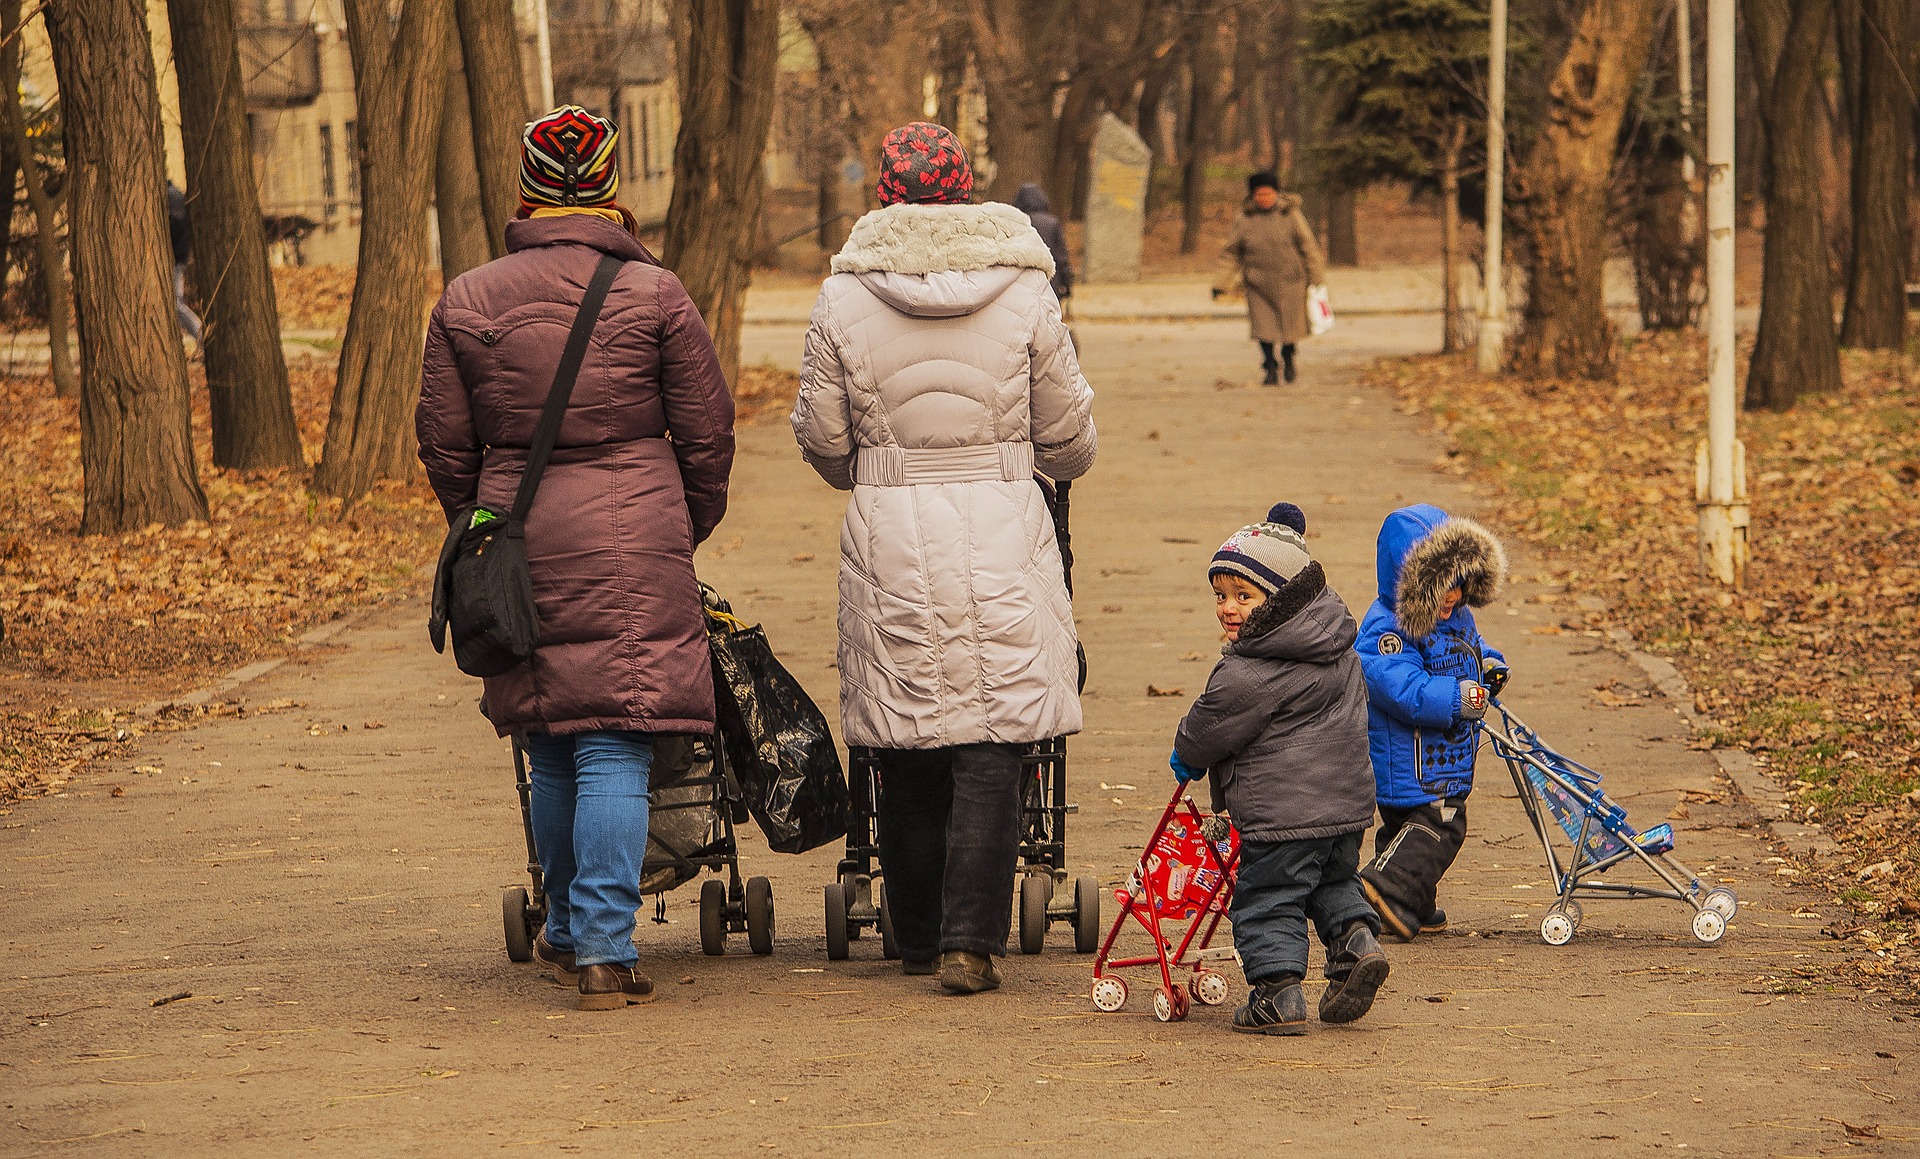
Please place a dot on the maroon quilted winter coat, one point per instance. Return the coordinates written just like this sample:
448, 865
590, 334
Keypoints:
611, 534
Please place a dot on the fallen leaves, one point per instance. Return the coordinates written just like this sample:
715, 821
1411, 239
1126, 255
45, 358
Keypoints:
1156, 690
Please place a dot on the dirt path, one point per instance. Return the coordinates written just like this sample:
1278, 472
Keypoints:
324, 878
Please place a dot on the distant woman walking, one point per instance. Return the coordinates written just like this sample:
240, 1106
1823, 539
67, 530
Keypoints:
1273, 254
638, 477
937, 377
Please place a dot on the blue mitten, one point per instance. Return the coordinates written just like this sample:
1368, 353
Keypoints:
1182, 771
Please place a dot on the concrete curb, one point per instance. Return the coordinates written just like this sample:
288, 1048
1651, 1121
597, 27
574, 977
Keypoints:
1756, 786
257, 669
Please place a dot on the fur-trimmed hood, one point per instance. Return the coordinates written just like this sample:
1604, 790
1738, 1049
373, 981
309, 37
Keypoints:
1422, 552
929, 239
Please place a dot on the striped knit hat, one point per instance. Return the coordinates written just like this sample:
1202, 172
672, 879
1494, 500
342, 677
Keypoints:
924, 163
567, 160
1266, 554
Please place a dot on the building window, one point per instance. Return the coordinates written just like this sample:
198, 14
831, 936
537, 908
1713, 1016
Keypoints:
329, 189
353, 162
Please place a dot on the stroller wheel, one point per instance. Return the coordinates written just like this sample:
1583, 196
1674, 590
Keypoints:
513, 916
1556, 929
1574, 913
836, 905
1722, 902
1209, 987
1709, 926
1170, 1005
889, 949
713, 918
1086, 915
1109, 993
851, 883
1034, 888
760, 915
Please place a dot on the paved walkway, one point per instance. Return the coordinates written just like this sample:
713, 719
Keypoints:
317, 888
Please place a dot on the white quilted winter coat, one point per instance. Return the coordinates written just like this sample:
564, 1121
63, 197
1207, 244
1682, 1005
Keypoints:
938, 376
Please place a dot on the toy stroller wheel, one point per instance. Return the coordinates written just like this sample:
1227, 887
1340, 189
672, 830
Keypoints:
713, 918
760, 915
835, 897
1109, 993
1163, 1003
1034, 888
1209, 987
1722, 902
1556, 929
1181, 1005
1708, 926
513, 916
1086, 915
1574, 913
889, 949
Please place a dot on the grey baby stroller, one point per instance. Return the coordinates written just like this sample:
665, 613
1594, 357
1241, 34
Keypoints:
856, 900
694, 803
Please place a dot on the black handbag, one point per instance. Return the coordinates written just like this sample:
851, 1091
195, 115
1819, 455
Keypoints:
482, 587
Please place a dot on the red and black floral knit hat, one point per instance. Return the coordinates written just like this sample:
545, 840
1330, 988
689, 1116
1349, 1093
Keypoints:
924, 163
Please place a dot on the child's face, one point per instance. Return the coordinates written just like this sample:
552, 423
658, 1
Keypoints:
1450, 601
1266, 197
1233, 601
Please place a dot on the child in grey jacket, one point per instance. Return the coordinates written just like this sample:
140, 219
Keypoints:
1282, 729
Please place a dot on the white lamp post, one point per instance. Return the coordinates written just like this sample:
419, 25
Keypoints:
1493, 306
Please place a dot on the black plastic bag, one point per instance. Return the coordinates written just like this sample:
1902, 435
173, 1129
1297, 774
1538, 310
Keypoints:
777, 741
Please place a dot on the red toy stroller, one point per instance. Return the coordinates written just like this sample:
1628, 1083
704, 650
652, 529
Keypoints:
1186, 874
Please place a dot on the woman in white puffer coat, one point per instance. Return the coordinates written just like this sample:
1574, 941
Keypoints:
938, 377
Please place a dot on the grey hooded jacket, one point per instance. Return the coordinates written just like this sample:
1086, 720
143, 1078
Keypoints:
1282, 726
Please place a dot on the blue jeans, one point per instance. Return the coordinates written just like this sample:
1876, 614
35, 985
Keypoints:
590, 825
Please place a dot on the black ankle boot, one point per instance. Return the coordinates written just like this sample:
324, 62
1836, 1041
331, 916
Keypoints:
1356, 967
1286, 359
1272, 374
1275, 1006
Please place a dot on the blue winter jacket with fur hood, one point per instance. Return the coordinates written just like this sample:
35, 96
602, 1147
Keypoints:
1422, 748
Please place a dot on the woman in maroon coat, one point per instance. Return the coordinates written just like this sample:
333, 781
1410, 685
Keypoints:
638, 478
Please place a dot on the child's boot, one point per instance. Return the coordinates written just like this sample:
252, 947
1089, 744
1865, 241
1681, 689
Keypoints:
1435, 922
1396, 919
1356, 967
1274, 1006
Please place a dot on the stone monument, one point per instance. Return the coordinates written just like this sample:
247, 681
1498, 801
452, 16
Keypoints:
1117, 205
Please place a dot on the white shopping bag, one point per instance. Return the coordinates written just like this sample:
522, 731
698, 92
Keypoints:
1319, 310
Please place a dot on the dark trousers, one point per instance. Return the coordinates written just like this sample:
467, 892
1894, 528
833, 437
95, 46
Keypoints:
1412, 851
949, 838
1282, 885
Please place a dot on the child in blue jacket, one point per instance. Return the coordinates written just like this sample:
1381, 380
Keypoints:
1429, 675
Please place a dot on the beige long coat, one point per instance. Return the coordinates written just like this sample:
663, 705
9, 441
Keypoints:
937, 376
1273, 253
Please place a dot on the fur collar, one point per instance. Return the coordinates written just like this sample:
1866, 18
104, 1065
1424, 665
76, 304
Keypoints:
1285, 604
926, 239
1459, 551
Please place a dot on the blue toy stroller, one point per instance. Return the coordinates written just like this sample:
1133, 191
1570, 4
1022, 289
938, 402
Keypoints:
1559, 793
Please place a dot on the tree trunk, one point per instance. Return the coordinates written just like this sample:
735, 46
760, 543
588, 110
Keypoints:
1562, 193
1203, 116
1882, 114
1794, 351
1073, 142
727, 52
497, 106
46, 236
249, 399
456, 178
1451, 338
1343, 228
398, 71
1019, 47
136, 436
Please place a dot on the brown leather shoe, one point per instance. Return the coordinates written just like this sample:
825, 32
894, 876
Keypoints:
962, 972
604, 986
558, 963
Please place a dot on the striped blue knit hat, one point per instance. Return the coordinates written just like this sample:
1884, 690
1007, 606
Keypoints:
1266, 554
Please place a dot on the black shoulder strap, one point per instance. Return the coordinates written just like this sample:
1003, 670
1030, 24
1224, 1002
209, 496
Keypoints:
548, 431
